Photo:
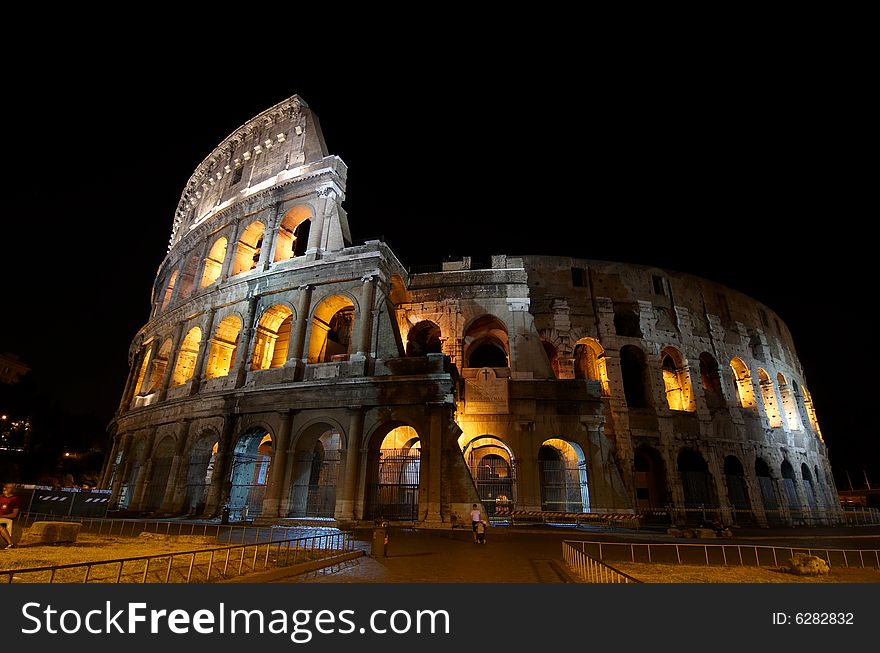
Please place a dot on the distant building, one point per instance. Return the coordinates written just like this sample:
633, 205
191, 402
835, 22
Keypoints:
286, 371
11, 368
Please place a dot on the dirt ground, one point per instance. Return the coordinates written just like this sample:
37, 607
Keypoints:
659, 573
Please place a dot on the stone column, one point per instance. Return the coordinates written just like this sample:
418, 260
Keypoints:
218, 490
117, 479
201, 357
270, 238
345, 503
435, 457
296, 354
176, 486
128, 392
148, 373
365, 327
717, 472
108, 464
172, 361
278, 467
246, 343
140, 484
231, 250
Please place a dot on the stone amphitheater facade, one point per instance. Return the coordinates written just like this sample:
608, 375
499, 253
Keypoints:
287, 372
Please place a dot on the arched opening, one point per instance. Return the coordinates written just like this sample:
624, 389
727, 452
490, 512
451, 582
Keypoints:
393, 485
563, 468
590, 363
626, 322
273, 338
169, 290
809, 490
160, 467
634, 369
650, 479
224, 346
493, 469
293, 234
552, 356
676, 380
252, 457
768, 394
160, 364
737, 490
789, 485
423, 338
711, 381
127, 487
789, 404
188, 276
486, 343
186, 357
142, 371
768, 493
247, 254
745, 392
316, 474
200, 471
811, 411
332, 330
696, 481
214, 262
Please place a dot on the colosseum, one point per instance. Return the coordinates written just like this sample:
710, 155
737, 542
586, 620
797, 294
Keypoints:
289, 372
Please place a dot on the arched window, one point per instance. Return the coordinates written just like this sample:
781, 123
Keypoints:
626, 322
423, 338
224, 345
745, 392
332, 330
486, 344
711, 381
169, 290
160, 364
676, 380
590, 363
273, 338
564, 483
634, 370
768, 394
811, 411
293, 234
789, 404
248, 252
214, 262
186, 357
142, 371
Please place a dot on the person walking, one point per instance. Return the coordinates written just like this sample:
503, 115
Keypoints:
476, 518
9, 507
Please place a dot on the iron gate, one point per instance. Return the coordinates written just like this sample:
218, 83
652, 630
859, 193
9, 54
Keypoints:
314, 492
155, 494
771, 506
198, 479
495, 482
697, 496
794, 503
563, 486
250, 474
738, 493
395, 494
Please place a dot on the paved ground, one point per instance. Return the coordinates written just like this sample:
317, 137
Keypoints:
532, 555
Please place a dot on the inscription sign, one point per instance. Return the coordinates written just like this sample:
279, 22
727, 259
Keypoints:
485, 394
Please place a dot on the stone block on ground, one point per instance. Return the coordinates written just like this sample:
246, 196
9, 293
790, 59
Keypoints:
51, 532
705, 533
803, 564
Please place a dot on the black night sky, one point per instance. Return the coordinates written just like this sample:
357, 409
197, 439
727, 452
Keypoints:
747, 173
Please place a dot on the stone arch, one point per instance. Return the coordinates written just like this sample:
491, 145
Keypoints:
160, 364
213, 265
393, 472
745, 391
492, 465
188, 276
768, 493
169, 290
486, 343
224, 347
160, 468
136, 459
811, 411
316, 470
332, 329
564, 483
590, 363
696, 480
636, 382
247, 253
292, 239
809, 488
146, 353
650, 478
789, 486
737, 489
768, 394
424, 338
710, 378
249, 474
272, 337
676, 380
200, 470
789, 404
187, 354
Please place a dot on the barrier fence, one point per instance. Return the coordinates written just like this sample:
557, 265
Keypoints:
591, 570
200, 566
741, 555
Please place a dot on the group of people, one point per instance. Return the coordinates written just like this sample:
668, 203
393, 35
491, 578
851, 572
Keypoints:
479, 525
9, 508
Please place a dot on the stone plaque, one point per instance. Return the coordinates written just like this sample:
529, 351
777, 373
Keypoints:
485, 394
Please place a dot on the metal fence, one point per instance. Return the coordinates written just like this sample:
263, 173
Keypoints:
740, 555
591, 570
200, 566
858, 516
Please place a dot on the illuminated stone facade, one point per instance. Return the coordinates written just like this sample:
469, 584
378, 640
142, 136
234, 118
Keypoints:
286, 372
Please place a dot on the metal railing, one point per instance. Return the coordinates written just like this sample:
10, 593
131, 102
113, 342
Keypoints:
740, 555
200, 566
859, 516
591, 570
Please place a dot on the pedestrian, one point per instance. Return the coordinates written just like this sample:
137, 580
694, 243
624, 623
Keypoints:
9, 506
481, 531
476, 518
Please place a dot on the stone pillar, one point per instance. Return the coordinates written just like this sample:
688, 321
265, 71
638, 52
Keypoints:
231, 250
529, 481
297, 356
435, 457
756, 498
117, 479
218, 490
175, 487
717, 472
365, 327
270, 239
148, 373
128, 392
246, 342
172, 361
108, 464
345, 502
142, 480
202, 356
278, 467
